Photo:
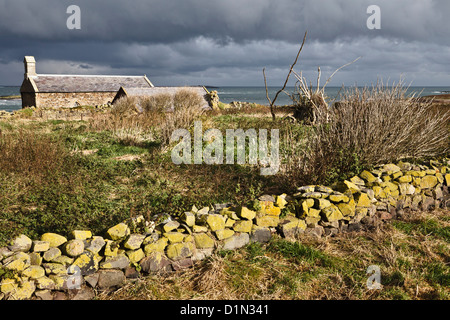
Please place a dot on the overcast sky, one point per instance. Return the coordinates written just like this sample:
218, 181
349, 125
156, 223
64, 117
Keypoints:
229, 42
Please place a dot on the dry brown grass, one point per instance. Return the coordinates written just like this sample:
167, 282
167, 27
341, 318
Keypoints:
135, 120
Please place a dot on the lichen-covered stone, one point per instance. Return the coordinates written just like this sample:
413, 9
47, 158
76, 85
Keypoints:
338, 198
111, 248
156, 262
21, 243
86, 262
81, 234
246, 213
73, 248
17, 262
321, 203
197, 228
95, 244
135, 255
45, 283
188, 218
292, 227
51, 254
118, 232
215, 222
157, 246
64, 260
134, 241
40, 246
428, 182
174, 237
267, 221
369, 177
391, 168
120, 261
224, 233
203, 241
362, 200
243, 226
34, 272
280, 201
176, 251
55, 240
171, 225
331, 213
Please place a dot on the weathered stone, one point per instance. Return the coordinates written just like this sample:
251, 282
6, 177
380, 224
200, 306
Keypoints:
331, 213
95, 244
203, 241
111, 248
118, 232
120, 261
34, 272
51, 254
261, 235
182, 264
266, 198
174, 237
237, 241
24, 290
267, 221
188, 218
17, 262
171, 225
156, 262
40, 246
215, 222
45, 283
131, 272
74, 248
21, 243
180, 250
135, 240
5, 252
54, 240
81, 234
84, 293
224, 233
44, 294
135, 255
321, 204
280, 201
197, 228
110, 278
338, 198
292, 227
369, 177
428, 182
35, 258
306, 188
201, 254
92, 279
246, 213
157, 246
391, 168
243, 226
54, 268
86, 262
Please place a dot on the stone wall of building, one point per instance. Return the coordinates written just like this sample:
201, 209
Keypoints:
72, 99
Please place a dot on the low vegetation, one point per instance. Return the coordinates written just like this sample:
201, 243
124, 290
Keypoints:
61, 175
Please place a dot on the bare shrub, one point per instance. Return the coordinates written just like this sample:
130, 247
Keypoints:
367, 127
138, 119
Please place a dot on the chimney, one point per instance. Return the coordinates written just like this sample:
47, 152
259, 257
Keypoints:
30, 66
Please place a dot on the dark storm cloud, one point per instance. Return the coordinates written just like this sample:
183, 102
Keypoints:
227, 42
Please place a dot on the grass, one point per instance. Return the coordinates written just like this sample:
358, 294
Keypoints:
332, 268
61, 175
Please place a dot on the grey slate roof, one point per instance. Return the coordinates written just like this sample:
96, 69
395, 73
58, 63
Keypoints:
87, 83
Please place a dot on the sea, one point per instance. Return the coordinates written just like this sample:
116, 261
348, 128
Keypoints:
243, 94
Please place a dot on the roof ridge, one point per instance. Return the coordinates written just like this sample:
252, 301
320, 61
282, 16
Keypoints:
85, 75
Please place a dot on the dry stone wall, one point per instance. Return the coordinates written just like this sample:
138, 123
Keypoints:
74, 267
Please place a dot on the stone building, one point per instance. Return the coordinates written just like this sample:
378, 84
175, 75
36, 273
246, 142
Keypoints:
67, 91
